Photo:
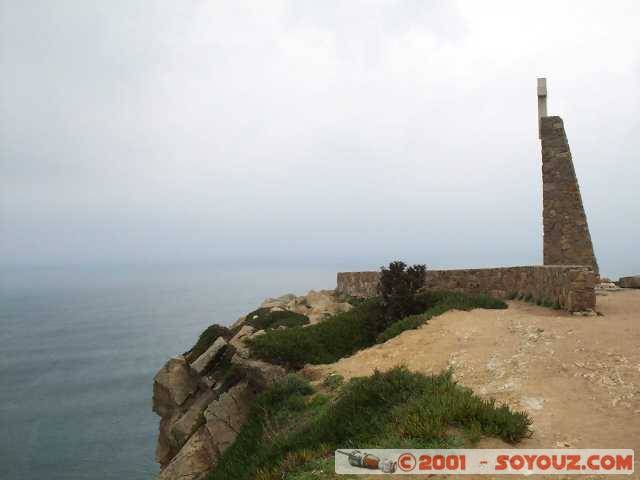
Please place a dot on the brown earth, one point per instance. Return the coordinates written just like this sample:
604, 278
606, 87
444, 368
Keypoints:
578, 377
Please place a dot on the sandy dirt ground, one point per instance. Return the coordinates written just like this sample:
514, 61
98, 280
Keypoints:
578, 377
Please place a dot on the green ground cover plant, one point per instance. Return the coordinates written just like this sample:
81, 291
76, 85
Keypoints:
292, 430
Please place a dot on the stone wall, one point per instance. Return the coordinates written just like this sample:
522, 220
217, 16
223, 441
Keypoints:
569, 287
567, 240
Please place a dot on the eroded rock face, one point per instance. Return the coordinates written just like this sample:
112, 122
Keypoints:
225, 416
259, 374
172, 385
238, 340
189, 422
203, 405
205, 361
194, 460
629, 282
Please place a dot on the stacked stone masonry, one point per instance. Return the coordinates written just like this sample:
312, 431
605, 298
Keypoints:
567, 240
571, 288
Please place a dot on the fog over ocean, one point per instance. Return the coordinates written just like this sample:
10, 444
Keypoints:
79, 349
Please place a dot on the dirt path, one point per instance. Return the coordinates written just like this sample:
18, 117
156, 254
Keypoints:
579, 377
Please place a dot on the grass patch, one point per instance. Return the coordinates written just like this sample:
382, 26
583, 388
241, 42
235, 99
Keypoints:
266, 318
345, 333
290, 435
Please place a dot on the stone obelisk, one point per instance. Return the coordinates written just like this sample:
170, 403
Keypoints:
567, 240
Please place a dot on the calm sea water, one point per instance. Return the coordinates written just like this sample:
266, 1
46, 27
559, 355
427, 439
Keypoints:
79, 349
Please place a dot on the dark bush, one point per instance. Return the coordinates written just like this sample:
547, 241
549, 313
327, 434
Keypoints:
398, 287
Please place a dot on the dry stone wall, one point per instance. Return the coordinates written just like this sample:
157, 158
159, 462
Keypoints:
571, 288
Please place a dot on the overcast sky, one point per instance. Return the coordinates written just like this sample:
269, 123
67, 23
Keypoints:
339, 133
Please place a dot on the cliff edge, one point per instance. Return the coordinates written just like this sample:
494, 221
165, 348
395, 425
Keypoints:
203, 397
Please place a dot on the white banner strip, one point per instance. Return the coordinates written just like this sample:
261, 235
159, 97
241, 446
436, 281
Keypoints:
486, 461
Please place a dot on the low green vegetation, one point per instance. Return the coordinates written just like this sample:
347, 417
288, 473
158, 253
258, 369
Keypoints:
333, 381
292, 431
363, 326
325, 342
267, 318
408, 323
260, 319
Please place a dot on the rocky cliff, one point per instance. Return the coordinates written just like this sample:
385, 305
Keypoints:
203, 396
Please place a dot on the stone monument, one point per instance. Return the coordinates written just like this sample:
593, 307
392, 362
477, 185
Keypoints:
567, 240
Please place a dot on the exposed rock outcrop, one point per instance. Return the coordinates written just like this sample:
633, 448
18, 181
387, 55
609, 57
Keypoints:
194, 460
172, 385
225, 417
238, 340
203, 402
317, 305
208, 359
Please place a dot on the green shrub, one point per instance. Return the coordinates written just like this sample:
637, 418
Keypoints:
205, 340
398, 287
325, 342
287, 433
266, 318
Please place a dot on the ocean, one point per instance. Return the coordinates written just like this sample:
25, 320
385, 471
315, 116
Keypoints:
79, 348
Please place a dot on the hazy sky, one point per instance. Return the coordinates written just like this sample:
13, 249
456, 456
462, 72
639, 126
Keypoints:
344, 133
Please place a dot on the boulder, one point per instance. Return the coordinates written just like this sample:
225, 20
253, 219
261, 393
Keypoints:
320, 299
172, 385
298, 305
194, 461
259, 374
324, 304
629, 282
225, 416
205, 361
238, 340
